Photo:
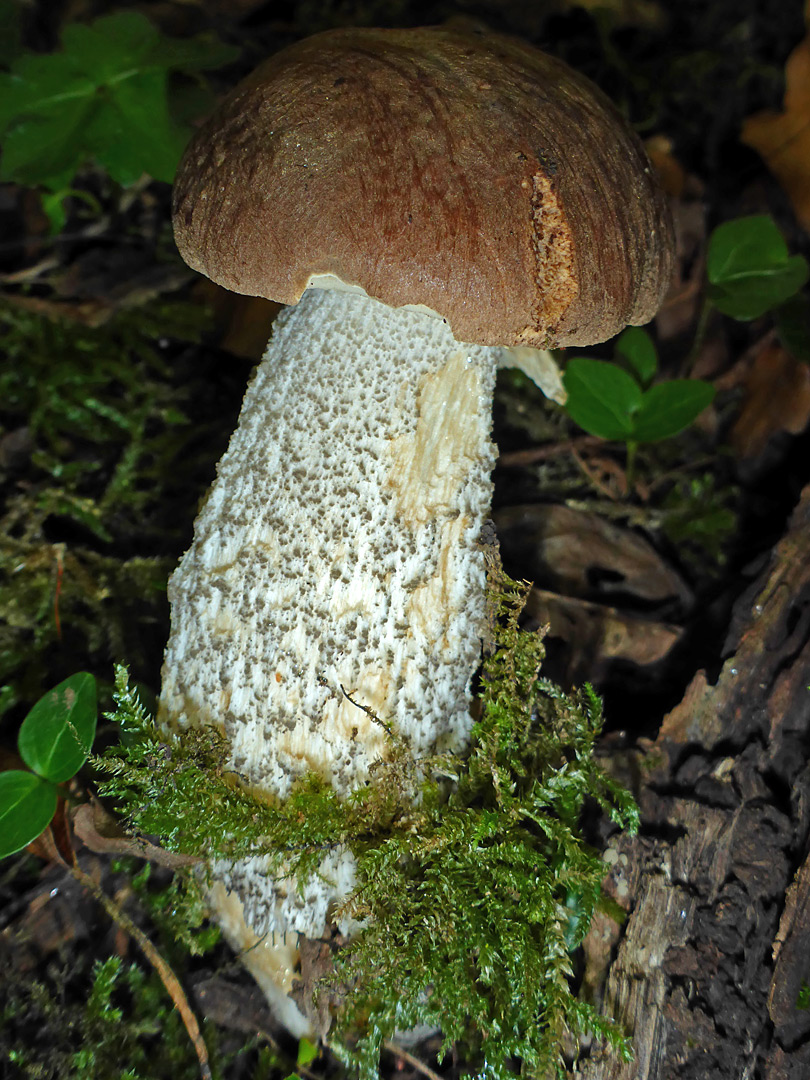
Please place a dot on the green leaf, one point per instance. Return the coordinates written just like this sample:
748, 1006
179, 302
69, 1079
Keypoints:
54, 207
57, 734
104, 97
744, 246
27, 804
602, 398
307, 1052
668, 408
793, 326
635, 346
750, 269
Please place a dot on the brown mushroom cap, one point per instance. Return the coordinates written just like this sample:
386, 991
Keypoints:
471, 174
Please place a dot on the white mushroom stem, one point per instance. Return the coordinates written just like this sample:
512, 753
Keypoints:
338, 549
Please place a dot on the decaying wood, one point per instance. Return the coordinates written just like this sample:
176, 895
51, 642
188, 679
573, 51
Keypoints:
709, 968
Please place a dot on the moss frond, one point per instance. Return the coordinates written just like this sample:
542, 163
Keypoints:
473, 893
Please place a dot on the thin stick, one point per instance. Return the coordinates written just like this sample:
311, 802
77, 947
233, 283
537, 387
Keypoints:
364, 708
597, 483
420, 1066
167, 976
534, 454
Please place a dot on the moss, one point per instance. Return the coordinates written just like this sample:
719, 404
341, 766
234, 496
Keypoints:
473, 878
102, 470
111, 1022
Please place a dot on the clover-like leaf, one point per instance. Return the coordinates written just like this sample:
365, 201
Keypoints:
750, 269
27, 805
635, 346
57, 734
602, 397
669, 407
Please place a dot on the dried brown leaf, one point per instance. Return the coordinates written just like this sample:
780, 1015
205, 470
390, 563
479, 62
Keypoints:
777, 399
783, 139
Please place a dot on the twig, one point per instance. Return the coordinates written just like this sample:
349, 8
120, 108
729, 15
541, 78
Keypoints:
534, 454
597, 483
420, 1066
368, 711
167, 976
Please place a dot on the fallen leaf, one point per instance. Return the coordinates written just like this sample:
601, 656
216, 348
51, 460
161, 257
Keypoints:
242, 324
783, 139
100, 832
670, 171
582, 554
776, 399
598, 633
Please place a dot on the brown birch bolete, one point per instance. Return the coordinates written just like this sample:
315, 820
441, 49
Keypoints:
425, 200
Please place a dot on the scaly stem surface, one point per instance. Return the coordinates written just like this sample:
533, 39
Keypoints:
335, 576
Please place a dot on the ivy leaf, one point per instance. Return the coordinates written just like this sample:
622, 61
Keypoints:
27, 805
602, 398
668, 408
749, 268
103, 98
57, 734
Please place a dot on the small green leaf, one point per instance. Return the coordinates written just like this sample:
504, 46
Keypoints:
744, 246
57, 734
793, 326
749, 298
54, 207
750, 269
27, 804
307, 1052
602, 398
635, 346
668, 408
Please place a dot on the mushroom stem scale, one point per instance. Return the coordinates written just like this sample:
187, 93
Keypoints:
336, 570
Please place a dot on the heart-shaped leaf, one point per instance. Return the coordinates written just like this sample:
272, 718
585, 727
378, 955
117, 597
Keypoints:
750, 269
602, 398
635, 346
27, 805
57, 734
668, 408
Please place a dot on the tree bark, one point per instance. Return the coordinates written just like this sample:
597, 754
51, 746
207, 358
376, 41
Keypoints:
707, 972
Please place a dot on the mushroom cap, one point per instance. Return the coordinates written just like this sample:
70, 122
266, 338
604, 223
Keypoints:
466, 173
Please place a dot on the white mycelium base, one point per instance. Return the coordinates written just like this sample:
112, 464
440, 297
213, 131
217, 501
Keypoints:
337, 550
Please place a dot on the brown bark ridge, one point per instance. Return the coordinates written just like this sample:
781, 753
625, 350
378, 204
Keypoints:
711, 968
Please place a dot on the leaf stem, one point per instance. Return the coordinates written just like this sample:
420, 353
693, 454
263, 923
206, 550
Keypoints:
632, 447
167, 976
700, 335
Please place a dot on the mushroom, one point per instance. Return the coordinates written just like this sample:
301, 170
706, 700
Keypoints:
425, 201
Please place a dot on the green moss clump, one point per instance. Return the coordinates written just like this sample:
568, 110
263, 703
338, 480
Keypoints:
473, 879
100, 461
112, 1022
